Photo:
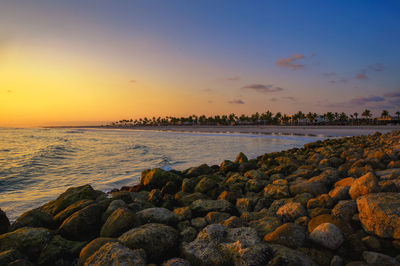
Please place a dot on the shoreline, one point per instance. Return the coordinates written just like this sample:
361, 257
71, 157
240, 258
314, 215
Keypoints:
319, 131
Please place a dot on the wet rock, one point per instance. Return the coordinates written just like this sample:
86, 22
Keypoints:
117, 254
4, 222
241, 158
157, 215
156, 178
84, 224
176, 262
60, 251
34, 218
203, 169
327, 235
92, 247
289, 234
120, 221
291, 211
366, 184
380, 214
378, 259
227, 166
64, 214
159, 240
202, 207
28, 241
71, 196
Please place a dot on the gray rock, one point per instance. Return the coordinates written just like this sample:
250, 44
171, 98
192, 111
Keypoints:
34, 218
289, 234
158, 240
157, 215
286, 256
202, 252
120, 221
202, 207
379, 259
327, 235
176, 262
92, 247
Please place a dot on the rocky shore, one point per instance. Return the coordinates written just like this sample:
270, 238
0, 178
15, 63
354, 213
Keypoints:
333, 202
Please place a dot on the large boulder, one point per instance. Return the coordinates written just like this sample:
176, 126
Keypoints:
202, 252
92, 247
380, 214
60, 251
4, 222
157, 215
64, 214
157, 178
291, 211
117, 254
241, 158
202, 207
84, 224
241, 254
203, 169
315, 188
28, 241
265, 225
120, 221
366, 184
34, 218
158, 240
71, 196
327, 235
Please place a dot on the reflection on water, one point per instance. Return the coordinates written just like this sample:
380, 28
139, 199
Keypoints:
38, 164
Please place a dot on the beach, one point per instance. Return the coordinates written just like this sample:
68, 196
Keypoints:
330, 131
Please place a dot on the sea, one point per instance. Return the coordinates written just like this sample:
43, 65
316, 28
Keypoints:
38, 164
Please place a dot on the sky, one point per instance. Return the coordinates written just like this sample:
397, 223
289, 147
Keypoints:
86, 62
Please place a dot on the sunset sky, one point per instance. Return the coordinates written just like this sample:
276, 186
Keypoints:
77, 62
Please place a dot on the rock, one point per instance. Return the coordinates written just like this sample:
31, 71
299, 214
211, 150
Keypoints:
339, 193
233, 222
372, 243
117, 254
34, 218
186, 199
345, 210
157, 178
302, 221
169, 188
286, 256
378, 259
199, 222
227, 166
244, 205
327, 235
241, 158
247, 236
92, 247
188, 234
241, 254
265, 225
120, 221
289, 234
21, 262
203, 169
216, 217
205, 184
314, 188
183, 213
28, 241
9, 256
155, 197
4, 222
276, 191
388, 174
291, 211
158, 240
202, 207
256, 175
176, 262
64, 214
336, 261
202, 252
212, 233
84, 224
380, 214
157, 215
71, 196
60, 251
317, 212
366, 184
345, 182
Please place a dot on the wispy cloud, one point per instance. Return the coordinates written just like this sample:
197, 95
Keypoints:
290, 98
206, 90
364, 100
9, 91
273, 99
361, 76
289, 62
371, 68
392, 94
262, 88
236, 102
234, 78
133, 81
329, 74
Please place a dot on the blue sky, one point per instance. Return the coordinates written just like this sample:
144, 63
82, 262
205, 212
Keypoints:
212, 56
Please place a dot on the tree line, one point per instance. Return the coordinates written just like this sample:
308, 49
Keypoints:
266, 118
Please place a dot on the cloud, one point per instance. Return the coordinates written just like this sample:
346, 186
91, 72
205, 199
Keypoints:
273, 99
133, 81
392, 94
361, 76
9, 91
376, 67
262, 88
290, 98
236, 102
234, 78
210, 101
329, 74
207, 90
313, 54
289, 62
364, 100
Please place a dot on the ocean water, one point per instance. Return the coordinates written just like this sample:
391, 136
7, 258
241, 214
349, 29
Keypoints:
36, 165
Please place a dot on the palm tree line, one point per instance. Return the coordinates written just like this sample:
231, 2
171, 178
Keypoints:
266, 118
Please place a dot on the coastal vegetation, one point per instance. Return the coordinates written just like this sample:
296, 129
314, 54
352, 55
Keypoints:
332, 202
267, 118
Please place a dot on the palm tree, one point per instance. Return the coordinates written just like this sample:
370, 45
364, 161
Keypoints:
385, 114
398, 115
367, 114
285, 119
277, 117
330, 116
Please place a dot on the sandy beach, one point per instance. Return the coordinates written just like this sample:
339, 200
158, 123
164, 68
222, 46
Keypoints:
331, 131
